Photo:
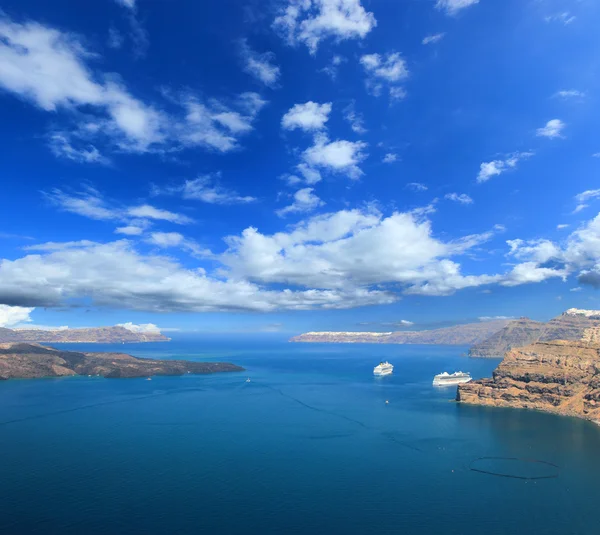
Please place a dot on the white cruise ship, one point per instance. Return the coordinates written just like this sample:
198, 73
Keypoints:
383, 368
455, 378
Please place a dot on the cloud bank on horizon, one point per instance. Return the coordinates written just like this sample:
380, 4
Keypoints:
323, 162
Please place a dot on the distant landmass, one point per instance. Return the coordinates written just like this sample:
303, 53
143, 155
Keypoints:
28, 361
104, 335
560, 376
574, 324
467, 334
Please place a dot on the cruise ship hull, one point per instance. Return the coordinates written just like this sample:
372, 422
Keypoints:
381, 374
451, 382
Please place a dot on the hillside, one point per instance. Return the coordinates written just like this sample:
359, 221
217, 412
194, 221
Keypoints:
105, 335
561, 376
467, 334
28, 361
570, 325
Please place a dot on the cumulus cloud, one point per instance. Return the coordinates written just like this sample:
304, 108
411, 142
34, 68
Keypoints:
339, 156
311, 21
432, 39
116, 275
304, 201
488, 170
461, 198
260, 66
389, 69
390, 157
552, 129
14, 315
452, 7
333, 67
309, 116
140, 328
51, 69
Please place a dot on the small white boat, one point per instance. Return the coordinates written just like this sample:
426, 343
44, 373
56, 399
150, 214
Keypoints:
383, 368
148, 378
449, 379
248, 380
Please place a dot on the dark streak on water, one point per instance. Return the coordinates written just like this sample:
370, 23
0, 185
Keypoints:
308, 447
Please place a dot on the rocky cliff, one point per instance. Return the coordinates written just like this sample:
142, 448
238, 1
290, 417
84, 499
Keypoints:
105, 335
467, 334
558, 376
571, 325
20, 360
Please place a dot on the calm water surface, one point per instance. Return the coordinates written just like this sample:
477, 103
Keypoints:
309, 446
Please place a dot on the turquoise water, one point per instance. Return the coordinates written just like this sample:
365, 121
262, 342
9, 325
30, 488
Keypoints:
309, 446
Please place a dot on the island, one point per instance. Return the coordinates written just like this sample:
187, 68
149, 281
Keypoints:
465, 334
27, 361
559, 376
105, 335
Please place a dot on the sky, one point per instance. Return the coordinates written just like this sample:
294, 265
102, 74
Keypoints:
293, 165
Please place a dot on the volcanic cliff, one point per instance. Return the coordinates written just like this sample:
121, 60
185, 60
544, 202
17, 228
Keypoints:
570, 325
560, 376
28, 361
466, 334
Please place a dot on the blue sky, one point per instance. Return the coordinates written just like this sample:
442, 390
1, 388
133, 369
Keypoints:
298, 165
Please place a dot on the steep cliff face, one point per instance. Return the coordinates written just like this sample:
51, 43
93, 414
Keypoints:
467, 334
571, 325
558, 376
106, 335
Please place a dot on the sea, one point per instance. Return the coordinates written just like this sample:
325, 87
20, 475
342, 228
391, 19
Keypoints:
313, 444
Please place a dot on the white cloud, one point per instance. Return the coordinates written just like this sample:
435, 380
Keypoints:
451, 7
552, 129
355, 119
432, 39
496, 167
141, 328
309, 116
390, 157
117, 276
416, 186
561, 226
584, 197
397, 93
206, 189
60, 144
127, 3
13, 315
89, 203
492, 318
461, 198
570, 94
565, 17
260, 65
310, 175
145, 211
166, 240
329, 251
130, 230
311, 21
332, 69
339, 156
389, 68
304, 201
50, 69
